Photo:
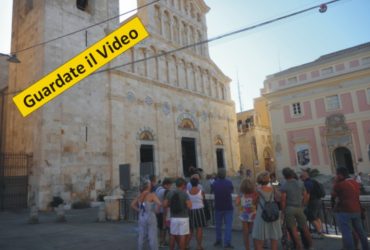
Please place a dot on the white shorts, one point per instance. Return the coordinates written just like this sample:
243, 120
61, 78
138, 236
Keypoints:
179, 226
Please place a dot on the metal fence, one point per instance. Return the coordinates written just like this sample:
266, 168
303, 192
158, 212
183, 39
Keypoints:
129, 214
328, 219
14, 169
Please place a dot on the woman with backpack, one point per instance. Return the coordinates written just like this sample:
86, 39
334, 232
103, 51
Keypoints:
146, 204
267, 222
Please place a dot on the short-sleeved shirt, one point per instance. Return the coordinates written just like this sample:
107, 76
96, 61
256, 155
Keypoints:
294, 190
222, 190
183, 199
309, 186
160, 191
348, 194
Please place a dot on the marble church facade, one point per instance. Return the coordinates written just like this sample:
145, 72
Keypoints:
160, 115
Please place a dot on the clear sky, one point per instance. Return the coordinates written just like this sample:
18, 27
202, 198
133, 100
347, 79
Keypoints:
264, 51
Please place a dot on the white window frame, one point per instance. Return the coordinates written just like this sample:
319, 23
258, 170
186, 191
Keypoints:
328, 106
292, 80
327, 71
366, 60
296, 115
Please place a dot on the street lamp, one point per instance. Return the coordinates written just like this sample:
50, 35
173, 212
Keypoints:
12, 58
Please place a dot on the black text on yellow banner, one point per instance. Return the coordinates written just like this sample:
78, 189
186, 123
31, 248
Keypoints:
81, 66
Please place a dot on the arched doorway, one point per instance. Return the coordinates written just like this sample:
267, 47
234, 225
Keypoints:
343, 158
187, 125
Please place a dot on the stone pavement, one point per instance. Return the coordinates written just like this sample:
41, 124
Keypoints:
81, 231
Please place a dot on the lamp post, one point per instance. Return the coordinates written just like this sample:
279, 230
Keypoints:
12, 58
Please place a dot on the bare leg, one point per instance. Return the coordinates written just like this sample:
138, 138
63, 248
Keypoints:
307, 235
295, 236
199, 237
246, 235
318, 225
258, 244
172, 242
274, 244
188, 237
182, 241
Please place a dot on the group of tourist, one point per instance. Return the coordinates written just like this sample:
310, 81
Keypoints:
269, 212
181, 212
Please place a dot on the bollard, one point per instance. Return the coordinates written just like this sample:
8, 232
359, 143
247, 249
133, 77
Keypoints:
101, 213
34, 215
60, 213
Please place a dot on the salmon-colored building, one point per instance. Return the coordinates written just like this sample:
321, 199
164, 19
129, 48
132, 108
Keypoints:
320, 112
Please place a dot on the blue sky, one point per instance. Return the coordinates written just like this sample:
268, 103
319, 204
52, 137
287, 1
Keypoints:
264, 51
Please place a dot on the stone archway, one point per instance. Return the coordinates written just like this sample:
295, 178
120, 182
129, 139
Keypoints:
339, 142
343, 158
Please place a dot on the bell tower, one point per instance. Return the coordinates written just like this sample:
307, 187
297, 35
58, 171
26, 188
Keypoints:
45, 35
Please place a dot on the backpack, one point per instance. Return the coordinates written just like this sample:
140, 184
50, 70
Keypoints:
318, 190
175, 203
270, 211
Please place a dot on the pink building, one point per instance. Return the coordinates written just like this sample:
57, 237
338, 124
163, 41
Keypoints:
320, 112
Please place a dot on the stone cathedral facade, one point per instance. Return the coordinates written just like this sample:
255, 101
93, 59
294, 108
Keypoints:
157, 116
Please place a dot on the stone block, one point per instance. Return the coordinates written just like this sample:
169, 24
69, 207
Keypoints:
112, 207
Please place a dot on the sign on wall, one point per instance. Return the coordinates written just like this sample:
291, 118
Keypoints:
303, 155
81, 66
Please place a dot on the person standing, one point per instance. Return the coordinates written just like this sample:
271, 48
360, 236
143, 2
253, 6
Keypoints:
153, 183
194, 176
262, 230
161, 193
145, 204
293, 199
314, 202
222, 189
179, 203
197, 215
247, 200
346, 201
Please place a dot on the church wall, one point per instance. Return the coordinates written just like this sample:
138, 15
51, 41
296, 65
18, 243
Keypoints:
79, 139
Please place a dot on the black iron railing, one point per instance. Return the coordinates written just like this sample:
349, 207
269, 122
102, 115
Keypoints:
14, 171
328, 217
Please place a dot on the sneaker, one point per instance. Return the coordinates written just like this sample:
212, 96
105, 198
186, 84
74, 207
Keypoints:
317, 236
217, 244
228, 247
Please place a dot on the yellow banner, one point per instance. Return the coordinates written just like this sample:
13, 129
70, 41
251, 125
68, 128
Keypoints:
81, 66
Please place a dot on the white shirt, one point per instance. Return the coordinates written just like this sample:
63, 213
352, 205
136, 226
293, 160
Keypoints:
196, 200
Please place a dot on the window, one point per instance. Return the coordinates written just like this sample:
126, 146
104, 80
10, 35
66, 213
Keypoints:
28, 6
296, 109
82, 4
292, 80
327, 71
332, 102
366, 61
368, 95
